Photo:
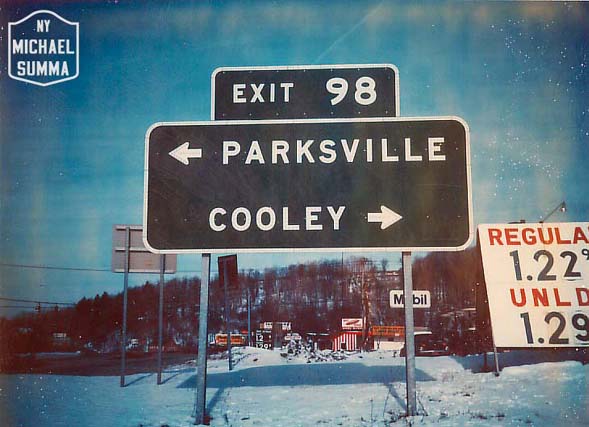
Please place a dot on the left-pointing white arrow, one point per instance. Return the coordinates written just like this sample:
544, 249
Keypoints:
386, 217
183, 153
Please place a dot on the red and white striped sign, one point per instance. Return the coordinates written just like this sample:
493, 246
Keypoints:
347, 341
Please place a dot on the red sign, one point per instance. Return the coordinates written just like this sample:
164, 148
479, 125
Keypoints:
388, 331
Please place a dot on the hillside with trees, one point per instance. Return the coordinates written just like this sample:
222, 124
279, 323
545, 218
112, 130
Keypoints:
314, 297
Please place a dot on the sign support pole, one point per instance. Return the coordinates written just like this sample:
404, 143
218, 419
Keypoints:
225, 280
201, 366
409, 335
249, 317
125, 287
160, 329
364, 313
496, 357
495, 354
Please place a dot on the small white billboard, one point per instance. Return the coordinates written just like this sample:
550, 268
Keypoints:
352, 324
421, 299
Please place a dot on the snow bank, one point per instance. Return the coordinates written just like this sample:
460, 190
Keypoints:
267, 389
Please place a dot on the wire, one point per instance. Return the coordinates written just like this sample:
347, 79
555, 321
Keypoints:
35, 301
27, 308
17, 306
108, 270
99, 270
48, 267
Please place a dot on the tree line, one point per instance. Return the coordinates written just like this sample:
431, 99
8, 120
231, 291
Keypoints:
313, 296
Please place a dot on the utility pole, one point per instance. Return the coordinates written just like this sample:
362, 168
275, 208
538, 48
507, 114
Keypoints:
160, 329
364, 313
201, 370
227, 323
249, 316
409, 335
125, 292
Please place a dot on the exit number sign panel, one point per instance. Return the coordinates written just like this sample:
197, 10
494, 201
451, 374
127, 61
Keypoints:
305, 92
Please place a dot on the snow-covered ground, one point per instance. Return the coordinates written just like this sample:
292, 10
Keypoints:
266, 389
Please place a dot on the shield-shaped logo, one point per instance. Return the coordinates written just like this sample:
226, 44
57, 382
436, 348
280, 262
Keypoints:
43, 49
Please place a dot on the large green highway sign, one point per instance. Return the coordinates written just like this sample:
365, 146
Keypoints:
280, 185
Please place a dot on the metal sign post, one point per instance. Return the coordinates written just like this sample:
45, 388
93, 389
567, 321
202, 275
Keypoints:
129, 255
201, 367
160, 329
227, 326
228, 277
409, 336
249, 317
496, 359
125, 286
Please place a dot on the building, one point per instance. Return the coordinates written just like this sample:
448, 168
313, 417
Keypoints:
347, 340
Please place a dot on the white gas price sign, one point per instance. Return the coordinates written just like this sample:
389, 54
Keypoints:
537, 278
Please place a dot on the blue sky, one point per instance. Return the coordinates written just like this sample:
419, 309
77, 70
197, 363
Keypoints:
71, 154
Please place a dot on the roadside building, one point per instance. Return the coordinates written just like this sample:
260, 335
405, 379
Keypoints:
347, 340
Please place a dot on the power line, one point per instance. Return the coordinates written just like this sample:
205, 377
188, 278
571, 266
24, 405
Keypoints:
108, 270
51, 267
48, 267
35, 301
22, 307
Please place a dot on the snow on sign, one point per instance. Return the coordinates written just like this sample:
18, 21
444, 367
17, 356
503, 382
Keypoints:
305, 92
341, 184
537, 278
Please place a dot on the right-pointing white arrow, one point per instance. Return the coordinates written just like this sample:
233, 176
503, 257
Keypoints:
182, 153
386, 217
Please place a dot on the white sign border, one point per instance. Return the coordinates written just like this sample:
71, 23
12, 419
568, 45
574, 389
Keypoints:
311, 249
